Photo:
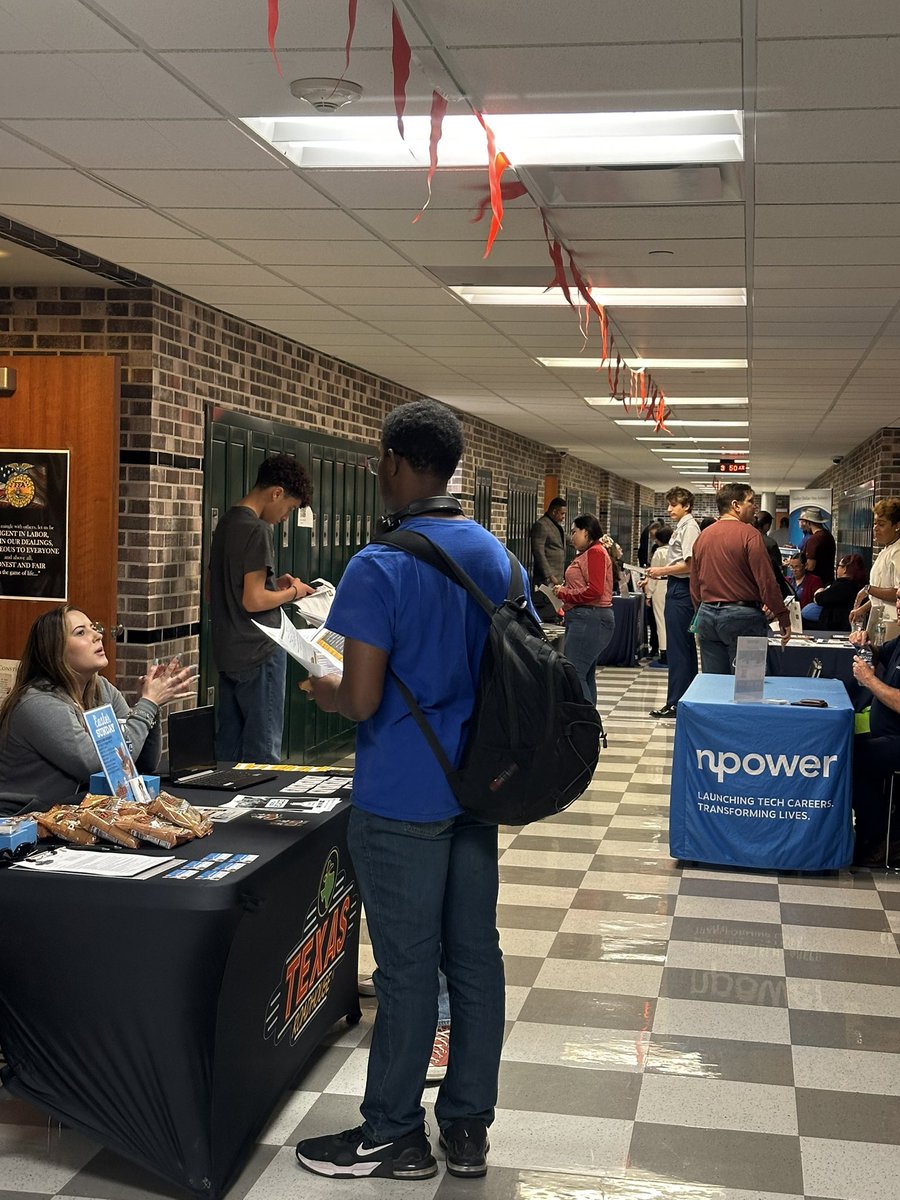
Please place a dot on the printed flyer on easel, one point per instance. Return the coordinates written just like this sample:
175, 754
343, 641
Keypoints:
115, 757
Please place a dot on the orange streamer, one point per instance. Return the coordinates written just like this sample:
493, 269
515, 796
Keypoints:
497, 164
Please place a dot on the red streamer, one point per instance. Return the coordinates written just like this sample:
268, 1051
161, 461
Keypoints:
351, 29
559, 271
497, 164
585, 293
273, 29
438, 112
401, 55
508, 191
661, 413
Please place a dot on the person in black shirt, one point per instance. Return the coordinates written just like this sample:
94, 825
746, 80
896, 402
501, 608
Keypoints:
836, 600
876, 755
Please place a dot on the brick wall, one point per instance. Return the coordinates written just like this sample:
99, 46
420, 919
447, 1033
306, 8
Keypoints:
877, 458
178, 354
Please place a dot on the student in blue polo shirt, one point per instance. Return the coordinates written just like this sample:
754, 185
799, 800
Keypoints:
427, 872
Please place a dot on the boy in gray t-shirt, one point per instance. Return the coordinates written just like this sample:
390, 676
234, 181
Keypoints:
243, 588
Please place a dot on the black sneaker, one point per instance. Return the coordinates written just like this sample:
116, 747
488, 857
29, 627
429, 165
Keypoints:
352, 1155
667, 711
466, 1145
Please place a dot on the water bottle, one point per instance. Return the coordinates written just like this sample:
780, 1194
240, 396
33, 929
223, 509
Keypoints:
878, 632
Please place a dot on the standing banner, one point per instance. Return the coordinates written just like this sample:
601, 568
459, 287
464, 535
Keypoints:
34, 524
820, 498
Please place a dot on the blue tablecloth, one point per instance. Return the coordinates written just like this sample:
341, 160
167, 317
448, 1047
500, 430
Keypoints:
625, 645
763, 785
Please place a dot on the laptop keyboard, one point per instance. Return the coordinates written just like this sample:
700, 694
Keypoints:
224, 779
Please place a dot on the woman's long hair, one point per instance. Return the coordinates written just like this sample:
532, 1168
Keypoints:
855, 567
43, 665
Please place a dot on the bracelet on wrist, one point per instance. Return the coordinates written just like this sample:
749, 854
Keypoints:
294, 586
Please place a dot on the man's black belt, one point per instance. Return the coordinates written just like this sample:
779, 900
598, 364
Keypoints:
732, 603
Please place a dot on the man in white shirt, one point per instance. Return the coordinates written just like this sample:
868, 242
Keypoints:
680, 648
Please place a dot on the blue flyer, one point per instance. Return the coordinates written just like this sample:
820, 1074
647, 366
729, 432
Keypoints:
115, 757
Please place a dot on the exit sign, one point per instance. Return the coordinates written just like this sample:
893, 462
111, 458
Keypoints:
726, 466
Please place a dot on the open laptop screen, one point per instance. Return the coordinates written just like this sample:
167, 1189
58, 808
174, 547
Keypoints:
192, 741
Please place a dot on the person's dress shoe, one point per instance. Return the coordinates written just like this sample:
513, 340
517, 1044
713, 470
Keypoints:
667, 711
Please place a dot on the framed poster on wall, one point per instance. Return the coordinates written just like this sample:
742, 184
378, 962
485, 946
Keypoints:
34, 524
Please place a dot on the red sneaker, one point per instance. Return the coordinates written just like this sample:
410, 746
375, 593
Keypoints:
440, 1055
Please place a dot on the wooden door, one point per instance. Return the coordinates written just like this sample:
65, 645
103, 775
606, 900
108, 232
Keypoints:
72, 404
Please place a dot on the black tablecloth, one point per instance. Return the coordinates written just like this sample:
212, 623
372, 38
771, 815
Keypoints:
165, 1017
830, 662
624, 648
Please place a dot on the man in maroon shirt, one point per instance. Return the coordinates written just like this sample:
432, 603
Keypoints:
731, 580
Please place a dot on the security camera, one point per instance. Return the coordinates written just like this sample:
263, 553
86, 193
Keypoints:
838, 458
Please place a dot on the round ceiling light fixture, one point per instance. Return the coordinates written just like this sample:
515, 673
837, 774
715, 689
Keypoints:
324, 94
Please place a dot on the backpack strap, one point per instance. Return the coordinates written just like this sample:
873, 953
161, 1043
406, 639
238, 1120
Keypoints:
423, 548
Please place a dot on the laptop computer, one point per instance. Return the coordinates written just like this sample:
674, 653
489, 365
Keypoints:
192, 754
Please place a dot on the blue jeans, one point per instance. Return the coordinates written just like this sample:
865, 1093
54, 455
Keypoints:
681, 650
443, 1000
718, 630
250, 712
588, 632
430, 894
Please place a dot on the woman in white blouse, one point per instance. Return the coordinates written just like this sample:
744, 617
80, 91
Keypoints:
875, 602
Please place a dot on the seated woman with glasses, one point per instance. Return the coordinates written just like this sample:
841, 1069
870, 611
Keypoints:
45, 748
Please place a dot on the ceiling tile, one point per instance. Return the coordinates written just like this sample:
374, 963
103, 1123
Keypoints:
860, 71
150, 145
55, 186
222, 189
55, 25
92, 85
828, 18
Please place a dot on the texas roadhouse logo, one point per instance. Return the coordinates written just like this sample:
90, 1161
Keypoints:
309, 968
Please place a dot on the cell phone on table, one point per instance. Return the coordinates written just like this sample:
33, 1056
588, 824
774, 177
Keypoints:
809, 703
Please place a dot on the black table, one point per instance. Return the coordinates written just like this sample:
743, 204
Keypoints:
624, 648
166, 1017
800, 658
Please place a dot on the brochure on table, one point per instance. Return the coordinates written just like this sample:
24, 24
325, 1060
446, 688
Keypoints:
319, 651
750, 670
63, 861
794, 612
115, 757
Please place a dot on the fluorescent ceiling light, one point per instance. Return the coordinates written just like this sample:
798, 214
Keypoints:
648, 297
685, 451
684, 424
528, 139
656, 438
698, 401
655, 364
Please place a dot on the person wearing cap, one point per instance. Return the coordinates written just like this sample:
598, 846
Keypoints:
819, 546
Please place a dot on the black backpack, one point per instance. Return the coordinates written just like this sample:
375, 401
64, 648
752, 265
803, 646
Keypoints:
534, 740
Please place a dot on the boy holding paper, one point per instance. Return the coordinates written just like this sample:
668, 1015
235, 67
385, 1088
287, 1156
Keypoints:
243, 588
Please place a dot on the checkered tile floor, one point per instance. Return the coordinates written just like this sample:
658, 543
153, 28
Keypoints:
674, 1034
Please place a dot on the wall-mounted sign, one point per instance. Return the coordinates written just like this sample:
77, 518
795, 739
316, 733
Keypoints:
34, 524
726, 466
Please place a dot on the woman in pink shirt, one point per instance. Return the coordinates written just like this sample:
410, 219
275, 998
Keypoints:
587, 602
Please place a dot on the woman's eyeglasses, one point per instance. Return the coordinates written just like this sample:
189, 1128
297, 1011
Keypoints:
114, 631
372, 463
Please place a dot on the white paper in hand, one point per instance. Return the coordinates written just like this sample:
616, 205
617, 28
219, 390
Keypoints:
315, 608
303, 646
